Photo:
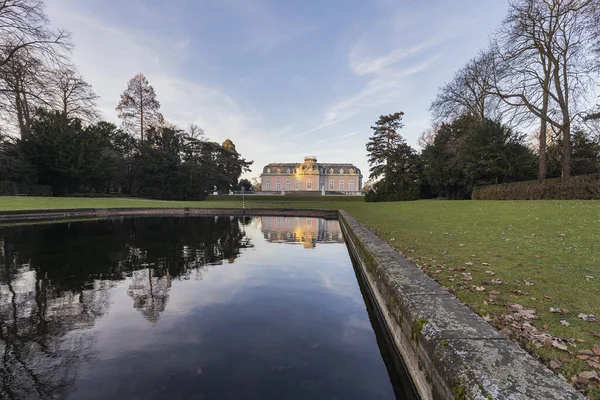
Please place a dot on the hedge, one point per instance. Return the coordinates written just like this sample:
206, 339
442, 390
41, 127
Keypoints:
8, 188
582, 187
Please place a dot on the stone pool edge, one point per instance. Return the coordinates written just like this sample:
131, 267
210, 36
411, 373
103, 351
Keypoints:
449, 351
83, 213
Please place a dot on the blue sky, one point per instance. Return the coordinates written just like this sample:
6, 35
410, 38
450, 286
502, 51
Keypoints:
281, 78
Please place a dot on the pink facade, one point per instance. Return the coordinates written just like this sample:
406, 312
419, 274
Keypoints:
308, 231
311, 176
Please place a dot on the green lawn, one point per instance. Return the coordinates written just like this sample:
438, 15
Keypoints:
541, 251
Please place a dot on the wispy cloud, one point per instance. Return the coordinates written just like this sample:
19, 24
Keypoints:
365, 65
317, 128
389, 83
338, 137
285, 129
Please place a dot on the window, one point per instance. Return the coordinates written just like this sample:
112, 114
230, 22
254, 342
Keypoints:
351, 185
341, 184
309, 184
288, 222
308, 222
331, 184
288, 185
278, 185
297, 184
268, 184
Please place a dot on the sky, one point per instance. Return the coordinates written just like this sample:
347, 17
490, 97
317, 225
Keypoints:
283, 79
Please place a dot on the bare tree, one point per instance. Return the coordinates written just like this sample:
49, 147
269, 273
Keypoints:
139, 108
24, 28
23, 88
541, 63
427, 138
195, 132
469, 92
73, 96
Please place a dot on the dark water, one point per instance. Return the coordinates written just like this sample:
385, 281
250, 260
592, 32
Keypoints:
184, 308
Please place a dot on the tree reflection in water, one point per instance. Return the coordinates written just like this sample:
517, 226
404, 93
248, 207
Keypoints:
56, 280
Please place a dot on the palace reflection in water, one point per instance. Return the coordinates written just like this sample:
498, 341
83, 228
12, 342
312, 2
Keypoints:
165, 308
308, 231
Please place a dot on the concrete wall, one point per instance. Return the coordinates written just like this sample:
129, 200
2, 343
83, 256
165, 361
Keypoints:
449, 351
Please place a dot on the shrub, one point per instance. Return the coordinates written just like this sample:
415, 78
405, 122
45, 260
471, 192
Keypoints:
582, 187
8, 188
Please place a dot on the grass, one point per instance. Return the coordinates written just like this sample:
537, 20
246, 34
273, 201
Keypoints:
11, 203
553, 244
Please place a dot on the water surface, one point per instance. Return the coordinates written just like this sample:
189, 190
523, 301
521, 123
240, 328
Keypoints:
190, 308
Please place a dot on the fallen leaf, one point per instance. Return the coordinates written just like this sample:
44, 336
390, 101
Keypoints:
593, 364
528, 283
467, 276
588, 318
565, 323
490, 272
562, 234
582, 357
479, 288
554, 364
588, 375
522, 312
538, 256
547, 297
559, 345
469, 263
485, 303
589, 278
596, 350
484, 263
559, 310
494, 292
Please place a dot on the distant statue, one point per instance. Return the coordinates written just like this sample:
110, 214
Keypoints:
322, 190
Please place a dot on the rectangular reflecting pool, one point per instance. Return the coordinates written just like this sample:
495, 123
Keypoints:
186, 308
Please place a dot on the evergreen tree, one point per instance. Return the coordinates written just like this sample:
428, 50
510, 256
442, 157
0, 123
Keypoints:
393, 162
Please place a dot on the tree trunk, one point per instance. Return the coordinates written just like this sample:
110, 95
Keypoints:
20, 117
142, 125
542, 159
567, 156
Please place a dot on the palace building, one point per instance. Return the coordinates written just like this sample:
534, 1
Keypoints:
311, 176
297, 230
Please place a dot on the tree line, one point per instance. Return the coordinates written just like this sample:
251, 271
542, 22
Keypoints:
534, 80
53, 134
